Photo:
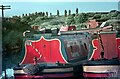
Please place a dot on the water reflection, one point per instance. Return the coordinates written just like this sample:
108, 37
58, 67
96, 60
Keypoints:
10, 58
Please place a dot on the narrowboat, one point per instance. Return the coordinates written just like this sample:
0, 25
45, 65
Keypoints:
105, 59
54, 54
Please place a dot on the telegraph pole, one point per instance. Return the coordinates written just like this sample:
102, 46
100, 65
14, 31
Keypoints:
2, 7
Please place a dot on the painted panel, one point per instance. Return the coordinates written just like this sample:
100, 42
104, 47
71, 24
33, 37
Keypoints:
73, 49
78, 47
56, 53
44, 50
109, 44
118, 46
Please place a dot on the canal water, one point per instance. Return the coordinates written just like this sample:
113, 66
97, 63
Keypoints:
12, 58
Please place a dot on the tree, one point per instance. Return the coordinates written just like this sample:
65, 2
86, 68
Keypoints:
81, 26
69, 12
12, 39
29, 14
81, 18
23, 15
90, 14
118, 16
113, 13
16, 18
25, 19
57, 12
50, 14
70, 20
36, 13
43, 14
97, 16
47, 14
12, 35
104, 17
65, 13
76, 10
40, 14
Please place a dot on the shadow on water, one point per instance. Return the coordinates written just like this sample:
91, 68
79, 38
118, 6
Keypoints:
10, 58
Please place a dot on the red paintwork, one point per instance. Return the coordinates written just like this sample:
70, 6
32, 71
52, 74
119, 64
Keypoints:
65, 75
118, 47
28, 77
101, 75
50, 50
70, 28
110, 46
97, 50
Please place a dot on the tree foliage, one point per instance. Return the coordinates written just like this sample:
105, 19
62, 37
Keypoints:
47, 14
118, 16
104, 17
81, 26
70, 20
81, 18
50, 14
12, 39
69, 12
90, 14
12, 33
97, 16
58, 13
76, 10
65, 13
113, 13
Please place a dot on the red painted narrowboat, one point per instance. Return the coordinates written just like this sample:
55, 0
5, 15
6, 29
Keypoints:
49, 55
105, 59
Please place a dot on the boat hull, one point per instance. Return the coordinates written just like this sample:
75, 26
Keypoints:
48, 72
102, 69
